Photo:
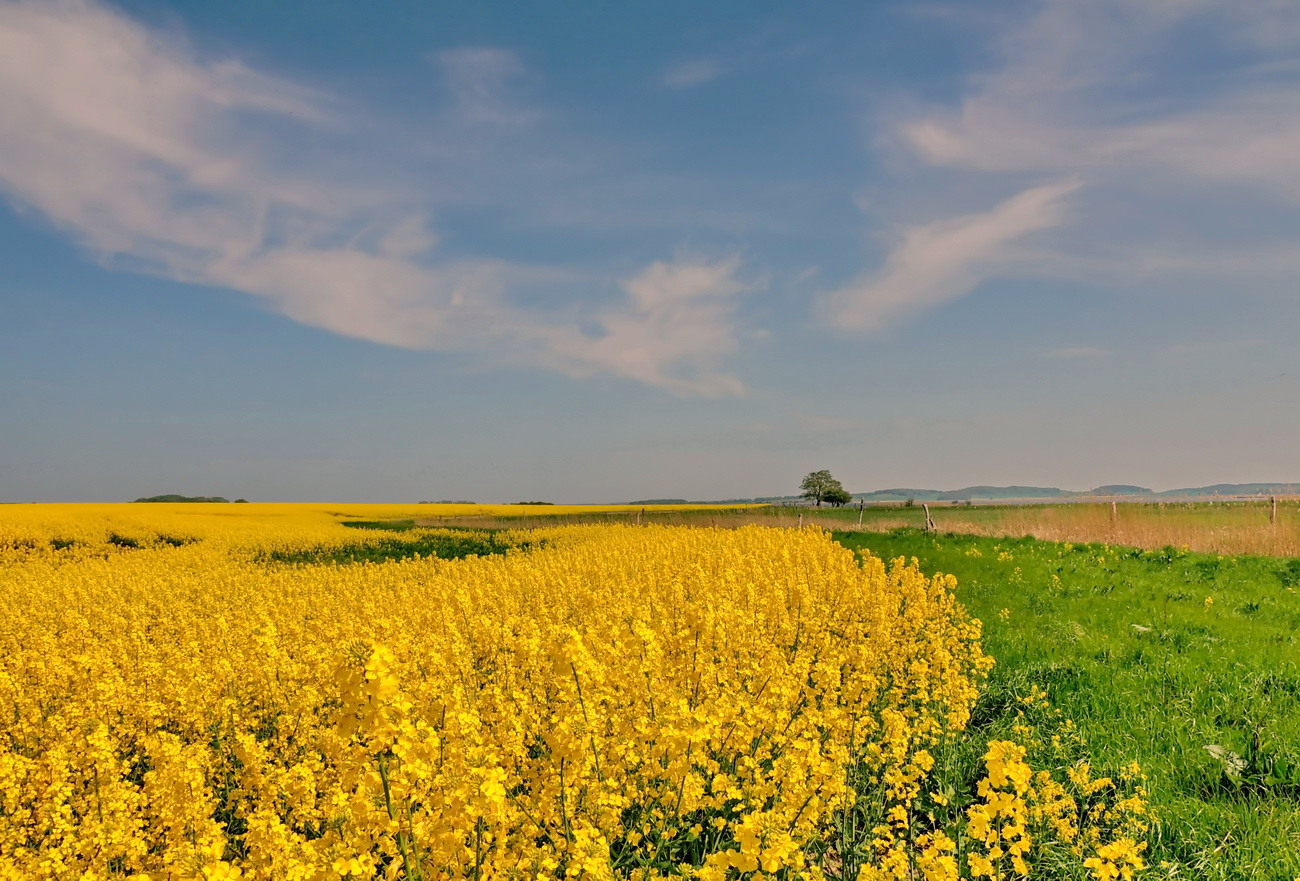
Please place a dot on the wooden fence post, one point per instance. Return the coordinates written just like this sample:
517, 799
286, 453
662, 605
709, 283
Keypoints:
861, 504
929, 521
1272, 514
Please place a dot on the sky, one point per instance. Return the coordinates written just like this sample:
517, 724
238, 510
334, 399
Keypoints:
595, 252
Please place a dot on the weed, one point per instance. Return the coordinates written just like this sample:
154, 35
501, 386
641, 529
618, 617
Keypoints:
447, 544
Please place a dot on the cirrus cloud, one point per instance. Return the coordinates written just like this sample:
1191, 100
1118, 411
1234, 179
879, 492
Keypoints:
935, 262
195, 169
1166, 172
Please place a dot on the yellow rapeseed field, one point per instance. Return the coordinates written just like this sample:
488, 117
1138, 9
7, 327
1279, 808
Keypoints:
613, 701
252, 524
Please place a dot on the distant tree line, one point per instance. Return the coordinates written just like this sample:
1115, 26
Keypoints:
173, 497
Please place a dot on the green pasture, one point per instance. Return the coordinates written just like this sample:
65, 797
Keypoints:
1187, 663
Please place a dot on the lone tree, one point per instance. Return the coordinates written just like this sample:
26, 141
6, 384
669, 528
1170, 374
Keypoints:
820, 486
838, 498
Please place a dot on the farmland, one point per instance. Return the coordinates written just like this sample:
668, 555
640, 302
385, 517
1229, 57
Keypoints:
1228, 527
322, 692
1185, 662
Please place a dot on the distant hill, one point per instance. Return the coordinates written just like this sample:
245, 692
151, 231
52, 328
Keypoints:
1121, 489
1234, 489
900, 494
172, 497
760, 500
1219, 490
660, 502
1033, 493
1003, 492
1110, 490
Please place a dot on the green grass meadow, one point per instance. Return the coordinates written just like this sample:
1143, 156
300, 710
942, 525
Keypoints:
1187, 663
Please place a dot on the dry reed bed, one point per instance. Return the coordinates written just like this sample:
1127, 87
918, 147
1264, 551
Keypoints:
1209, 527
1243, 528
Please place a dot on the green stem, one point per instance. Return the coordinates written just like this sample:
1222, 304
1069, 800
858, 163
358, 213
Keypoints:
591, 737
564, 806
401, 836
478, 848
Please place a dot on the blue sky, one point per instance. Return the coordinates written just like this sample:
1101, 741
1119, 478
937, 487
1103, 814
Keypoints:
599, 252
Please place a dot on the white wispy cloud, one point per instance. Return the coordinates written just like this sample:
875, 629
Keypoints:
693, 72
1174, 171
743, 54
484, 83
1081, 87
173, 164
935, 262
675, 311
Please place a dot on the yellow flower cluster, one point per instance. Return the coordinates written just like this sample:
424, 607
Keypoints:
1098, 821
94, 528
617, 701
